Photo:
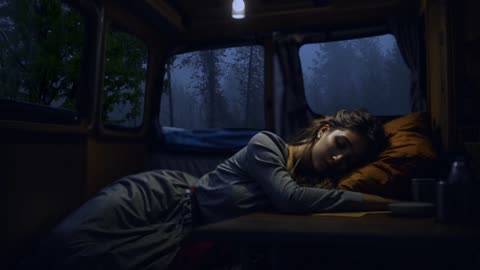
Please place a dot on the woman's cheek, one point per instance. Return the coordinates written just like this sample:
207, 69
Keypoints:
317, 159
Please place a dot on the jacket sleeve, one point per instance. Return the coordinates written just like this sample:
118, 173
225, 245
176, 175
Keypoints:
266, 159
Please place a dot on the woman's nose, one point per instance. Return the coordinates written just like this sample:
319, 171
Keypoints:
337, 158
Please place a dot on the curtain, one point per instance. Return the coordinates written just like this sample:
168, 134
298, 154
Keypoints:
409, 35
294, 113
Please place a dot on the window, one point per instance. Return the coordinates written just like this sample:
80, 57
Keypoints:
220, 88
361, 73
40, 53
124, 81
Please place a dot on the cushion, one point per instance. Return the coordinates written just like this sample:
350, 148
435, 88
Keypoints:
409, 155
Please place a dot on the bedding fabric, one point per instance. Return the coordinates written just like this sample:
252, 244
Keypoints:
138, 222
410, 154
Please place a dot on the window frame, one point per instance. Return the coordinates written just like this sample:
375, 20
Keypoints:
183, 50
169, 51
111, 130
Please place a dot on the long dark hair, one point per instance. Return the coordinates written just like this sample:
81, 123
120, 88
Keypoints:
360, 121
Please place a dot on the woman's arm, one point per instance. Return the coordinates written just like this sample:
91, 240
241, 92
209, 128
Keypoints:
266, 160
374, 202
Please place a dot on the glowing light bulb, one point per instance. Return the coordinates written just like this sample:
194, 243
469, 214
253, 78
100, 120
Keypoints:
238, 9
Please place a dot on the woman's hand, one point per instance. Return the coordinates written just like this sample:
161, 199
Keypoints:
374, 202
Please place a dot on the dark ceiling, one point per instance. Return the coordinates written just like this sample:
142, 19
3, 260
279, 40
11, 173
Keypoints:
193, 19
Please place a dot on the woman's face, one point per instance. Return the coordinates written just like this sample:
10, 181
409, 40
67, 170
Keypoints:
337, 150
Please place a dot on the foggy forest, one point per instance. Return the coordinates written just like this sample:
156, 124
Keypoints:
224, 87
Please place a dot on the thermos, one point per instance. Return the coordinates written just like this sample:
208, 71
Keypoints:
454, 196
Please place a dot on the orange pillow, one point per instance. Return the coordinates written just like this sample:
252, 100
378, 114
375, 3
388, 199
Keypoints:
409, 155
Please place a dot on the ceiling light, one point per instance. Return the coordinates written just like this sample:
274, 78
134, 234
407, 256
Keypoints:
238, 9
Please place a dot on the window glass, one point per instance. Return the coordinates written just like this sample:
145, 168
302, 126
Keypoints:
220, 88
40, 52
124, 81
361, 73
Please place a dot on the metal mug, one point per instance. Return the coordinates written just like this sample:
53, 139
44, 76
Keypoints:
424, 190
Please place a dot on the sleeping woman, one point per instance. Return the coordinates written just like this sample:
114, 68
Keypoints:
139, 221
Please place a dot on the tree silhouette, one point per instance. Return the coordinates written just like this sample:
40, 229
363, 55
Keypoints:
167, 88
225, 84
357, 73
372, 77
206, 80
333, 76
249, 66
179, 106
396, 80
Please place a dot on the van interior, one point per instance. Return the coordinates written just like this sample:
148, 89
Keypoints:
95, 90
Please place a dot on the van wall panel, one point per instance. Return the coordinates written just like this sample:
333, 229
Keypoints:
43, 179
109, 160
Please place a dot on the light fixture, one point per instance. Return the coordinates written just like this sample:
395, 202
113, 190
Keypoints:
238, 9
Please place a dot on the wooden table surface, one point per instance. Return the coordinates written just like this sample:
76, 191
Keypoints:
375, 230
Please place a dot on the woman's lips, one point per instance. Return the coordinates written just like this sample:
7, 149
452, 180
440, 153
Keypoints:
329, 163
326, 164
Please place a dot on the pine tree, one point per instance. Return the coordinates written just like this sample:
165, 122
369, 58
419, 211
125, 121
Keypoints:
333, 76
249, 66
372, 80
206, 80
397, 76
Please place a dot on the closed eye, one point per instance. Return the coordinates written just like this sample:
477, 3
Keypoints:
340, 143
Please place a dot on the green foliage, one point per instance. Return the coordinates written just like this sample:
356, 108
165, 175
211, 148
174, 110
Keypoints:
125, 67
40, 57
40, 52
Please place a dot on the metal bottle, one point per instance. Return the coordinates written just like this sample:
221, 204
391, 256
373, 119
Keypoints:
455, 195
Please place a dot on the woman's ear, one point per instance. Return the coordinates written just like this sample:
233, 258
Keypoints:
322, 130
